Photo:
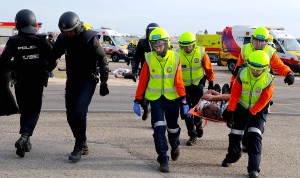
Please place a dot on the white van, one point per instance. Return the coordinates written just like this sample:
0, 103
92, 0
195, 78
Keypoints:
113, 44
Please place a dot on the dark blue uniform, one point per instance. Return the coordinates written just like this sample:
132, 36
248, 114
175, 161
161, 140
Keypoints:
83, 54
30, 54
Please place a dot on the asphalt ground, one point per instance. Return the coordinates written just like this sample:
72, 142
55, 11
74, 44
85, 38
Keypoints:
121, 145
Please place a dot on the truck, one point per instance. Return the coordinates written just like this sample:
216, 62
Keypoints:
113, 44
212, 45
287, 47
7, 29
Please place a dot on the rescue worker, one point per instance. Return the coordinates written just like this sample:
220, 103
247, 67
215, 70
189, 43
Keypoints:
161, 83
139, 58
259, 41
30, 75
83, 54
195, 63
131, 51
251, 93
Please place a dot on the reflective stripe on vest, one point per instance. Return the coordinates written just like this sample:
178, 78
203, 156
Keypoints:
252, 89
247, 49
162, 78
191, 66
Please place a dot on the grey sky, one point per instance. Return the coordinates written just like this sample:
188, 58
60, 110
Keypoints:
176, 16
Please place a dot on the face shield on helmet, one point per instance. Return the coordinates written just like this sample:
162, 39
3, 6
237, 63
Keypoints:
159, 40
258, 63
187, 42
260, 38
70, 24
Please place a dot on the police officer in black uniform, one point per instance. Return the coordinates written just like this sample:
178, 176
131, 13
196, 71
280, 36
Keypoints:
30, 73
139, 58
83, 54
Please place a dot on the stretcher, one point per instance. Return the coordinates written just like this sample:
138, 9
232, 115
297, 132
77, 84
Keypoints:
194, 112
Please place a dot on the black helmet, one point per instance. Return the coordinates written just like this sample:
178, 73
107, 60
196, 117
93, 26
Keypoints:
151, 27
69, 21
26, 21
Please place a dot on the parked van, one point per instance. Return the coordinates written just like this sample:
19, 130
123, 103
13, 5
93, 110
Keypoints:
212, 45
288, 49
113, 44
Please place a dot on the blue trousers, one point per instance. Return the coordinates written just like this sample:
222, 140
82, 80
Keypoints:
256, 127
79, 93
29, 98
164, 116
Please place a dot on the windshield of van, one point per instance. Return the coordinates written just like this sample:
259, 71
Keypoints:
119, 40
289, 44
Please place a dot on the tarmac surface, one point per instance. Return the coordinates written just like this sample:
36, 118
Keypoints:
121, 144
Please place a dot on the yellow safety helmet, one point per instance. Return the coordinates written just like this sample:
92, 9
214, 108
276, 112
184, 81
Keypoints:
258, 60
159, 35
135, 42
271, 39
261, 33
131, 41
187, 39
86, 26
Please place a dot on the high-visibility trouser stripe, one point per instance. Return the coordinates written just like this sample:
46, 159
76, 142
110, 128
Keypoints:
173, 130
165, 76
191, 80
159, 123
254, 129
237, 132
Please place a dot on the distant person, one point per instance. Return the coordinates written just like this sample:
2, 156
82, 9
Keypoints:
195, 64
83, 54
139, 58
161, 84
51, 42
30, 74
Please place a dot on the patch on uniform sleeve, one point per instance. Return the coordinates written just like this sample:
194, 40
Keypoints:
169, 69
258, 90
196, 60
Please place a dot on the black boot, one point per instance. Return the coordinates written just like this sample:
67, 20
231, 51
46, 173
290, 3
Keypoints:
76, 153
192, 141
175, 153
21, 145
234, 150
28, 145
85, 149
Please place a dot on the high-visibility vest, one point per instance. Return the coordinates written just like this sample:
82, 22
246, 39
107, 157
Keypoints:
252, 88
247, 49
191, 66
162, 78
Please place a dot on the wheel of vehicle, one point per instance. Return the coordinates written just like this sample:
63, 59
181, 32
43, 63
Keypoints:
115, 57
219, 62
231, 65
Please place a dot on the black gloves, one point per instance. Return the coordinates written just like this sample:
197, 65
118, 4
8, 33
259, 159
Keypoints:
235, 72
103, 89
134, 76
228, 116
210, 84
289, 79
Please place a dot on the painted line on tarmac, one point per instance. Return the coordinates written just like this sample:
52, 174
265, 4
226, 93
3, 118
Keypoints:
131, 111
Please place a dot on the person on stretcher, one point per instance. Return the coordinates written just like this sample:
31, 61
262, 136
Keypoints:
213, 104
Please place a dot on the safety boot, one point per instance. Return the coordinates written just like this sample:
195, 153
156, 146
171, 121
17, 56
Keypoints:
226, 89
217, 88
192, 141
76, 153
28, 145
85, 149
175, 153
21, 145
164, 168
253, 174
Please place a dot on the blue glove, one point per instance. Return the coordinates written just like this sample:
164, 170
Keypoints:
137, 109
186, 109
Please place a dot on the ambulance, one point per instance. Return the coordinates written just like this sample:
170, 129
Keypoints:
113, 44
212, 45
287, 47
7, 29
